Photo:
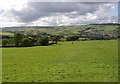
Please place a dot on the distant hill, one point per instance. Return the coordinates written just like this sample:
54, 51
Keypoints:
29, 27
106, 28
106, 24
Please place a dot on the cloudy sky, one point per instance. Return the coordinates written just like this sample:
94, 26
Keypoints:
30, 13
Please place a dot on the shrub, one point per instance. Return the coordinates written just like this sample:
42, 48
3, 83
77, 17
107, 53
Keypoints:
5, 42
72, 38
25, 42
43, 41
17, 39
55, 39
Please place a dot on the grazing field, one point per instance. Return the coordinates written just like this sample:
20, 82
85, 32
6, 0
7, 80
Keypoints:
6, 33
85, 61
0, 65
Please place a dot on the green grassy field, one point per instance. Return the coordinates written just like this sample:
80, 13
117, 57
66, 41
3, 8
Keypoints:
86, 61
6, 33
0, 65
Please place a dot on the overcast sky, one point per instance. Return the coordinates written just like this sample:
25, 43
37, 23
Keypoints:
26, 13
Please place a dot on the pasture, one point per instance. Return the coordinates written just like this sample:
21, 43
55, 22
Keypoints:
84, 61
6, 33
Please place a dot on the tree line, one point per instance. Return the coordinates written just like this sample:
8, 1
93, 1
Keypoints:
19, 40
44, 39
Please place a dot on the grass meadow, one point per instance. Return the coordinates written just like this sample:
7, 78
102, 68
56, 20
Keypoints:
83, 61
0, 65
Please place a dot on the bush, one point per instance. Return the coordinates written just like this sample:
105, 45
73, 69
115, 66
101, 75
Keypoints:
25, 42
17, 39
43, 41
5, 42
72, 38
55, 39
83, 39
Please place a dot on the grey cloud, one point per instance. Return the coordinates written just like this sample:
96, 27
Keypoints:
76, 13
73, 0
36, 10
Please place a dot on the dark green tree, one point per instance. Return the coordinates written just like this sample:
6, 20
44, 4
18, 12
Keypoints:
55, 39
5, 42
72, 38
43, 41
17, 39
25, 42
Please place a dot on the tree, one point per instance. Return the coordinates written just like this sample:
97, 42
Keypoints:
4, 42
72, 38
55, 39
43, 41
25, 42
17, 39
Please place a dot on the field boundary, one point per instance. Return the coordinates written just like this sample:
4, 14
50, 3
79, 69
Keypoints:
60, 83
